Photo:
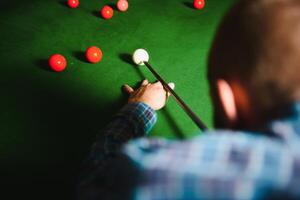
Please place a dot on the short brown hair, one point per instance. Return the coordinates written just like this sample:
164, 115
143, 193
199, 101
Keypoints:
258, 44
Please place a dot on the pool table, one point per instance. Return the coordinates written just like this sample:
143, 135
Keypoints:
49, 119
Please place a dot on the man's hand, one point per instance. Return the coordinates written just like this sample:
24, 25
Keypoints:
154, 95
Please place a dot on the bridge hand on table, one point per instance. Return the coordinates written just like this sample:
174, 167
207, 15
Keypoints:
152, 94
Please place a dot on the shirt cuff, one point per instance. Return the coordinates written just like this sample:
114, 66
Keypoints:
141, 116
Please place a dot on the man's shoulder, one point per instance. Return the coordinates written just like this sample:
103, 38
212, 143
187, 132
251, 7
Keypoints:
219, 159
212, 138
220, 151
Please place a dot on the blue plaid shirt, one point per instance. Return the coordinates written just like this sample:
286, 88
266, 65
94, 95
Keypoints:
219, 164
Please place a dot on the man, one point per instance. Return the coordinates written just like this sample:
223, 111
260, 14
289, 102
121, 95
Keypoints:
254, 74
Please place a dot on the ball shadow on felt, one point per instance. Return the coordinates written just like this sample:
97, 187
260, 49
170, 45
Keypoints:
188, 4
80, 55
43, 64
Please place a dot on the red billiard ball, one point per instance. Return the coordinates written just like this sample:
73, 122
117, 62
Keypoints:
107, 12
73, 3
93, 54
122, 5
57, 62
199, 4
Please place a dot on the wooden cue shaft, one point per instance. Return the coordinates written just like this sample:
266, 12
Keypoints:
190, 113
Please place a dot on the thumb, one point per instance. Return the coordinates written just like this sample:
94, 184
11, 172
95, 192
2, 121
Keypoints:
172, 86
128, 89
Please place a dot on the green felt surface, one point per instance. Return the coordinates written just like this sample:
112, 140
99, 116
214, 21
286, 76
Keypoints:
48, 120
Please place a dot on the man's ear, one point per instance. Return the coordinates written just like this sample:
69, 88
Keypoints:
227, 99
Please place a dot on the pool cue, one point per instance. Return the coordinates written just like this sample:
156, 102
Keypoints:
190, 113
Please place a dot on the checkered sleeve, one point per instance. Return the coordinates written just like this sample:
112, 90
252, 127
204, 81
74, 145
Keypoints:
134, 120
139, 117
106, 167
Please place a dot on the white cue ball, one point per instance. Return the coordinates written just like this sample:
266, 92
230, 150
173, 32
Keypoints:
140, 56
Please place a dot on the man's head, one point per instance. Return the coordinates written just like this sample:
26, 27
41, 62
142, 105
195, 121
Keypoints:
254, 64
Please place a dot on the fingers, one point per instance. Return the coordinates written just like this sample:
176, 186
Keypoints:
145, 82
158, 85
128, 89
